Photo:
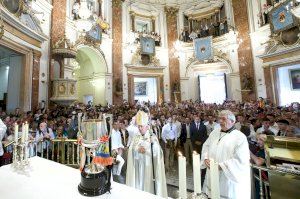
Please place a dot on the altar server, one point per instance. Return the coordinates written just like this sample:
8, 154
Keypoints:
145, 160
228, 147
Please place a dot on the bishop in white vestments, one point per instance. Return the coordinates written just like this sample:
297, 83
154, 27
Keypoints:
228, 147
142, 158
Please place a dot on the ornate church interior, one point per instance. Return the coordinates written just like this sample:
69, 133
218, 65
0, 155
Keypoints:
150, 98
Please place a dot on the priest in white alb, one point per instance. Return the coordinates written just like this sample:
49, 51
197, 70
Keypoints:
143, 160
228, 147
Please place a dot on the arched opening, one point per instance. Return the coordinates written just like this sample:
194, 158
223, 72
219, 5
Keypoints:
210, 81
91, 75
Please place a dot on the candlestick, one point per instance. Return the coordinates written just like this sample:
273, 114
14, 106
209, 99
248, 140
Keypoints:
214, 179
16, 133
182, 176
197, 173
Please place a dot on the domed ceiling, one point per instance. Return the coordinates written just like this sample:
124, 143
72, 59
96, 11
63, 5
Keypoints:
190, 7
178, 2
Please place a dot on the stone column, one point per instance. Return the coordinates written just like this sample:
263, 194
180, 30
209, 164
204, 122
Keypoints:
244, 50
58, 20
117, 61
35, 80
58, 25
174, 71
268, 83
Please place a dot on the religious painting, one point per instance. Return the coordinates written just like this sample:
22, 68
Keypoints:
95, 34
281, 18
147, 45
295, 78
142, 25
203, 48
140, 88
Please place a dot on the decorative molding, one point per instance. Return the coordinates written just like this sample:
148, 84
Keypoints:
17, 24
171, 12
117, 3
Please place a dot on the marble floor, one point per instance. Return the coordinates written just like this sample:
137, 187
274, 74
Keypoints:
172, 181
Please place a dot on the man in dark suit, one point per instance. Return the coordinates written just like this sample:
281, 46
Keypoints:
185, 139
198, 137
198, 134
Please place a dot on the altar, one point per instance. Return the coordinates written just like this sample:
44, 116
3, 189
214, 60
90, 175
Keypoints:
47, 179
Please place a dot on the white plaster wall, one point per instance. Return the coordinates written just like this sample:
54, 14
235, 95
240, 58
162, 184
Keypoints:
14, 83
258, 40
286, 94
45, 18
189, 79
3, 79
151, 90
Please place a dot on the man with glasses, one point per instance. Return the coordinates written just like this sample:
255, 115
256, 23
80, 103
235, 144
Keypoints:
229, 148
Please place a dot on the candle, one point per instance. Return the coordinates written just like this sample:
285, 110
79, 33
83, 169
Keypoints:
23, 133
182, 176
197, 173
26, 131
16, 133
214, 179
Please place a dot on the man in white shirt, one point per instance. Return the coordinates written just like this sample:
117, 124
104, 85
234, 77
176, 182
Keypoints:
266, 128
178, 125
169, 136
273, 124
117, 148
229, 148
3, 129
211, 124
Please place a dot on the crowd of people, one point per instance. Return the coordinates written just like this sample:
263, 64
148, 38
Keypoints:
185, 126
205, 29
155, 36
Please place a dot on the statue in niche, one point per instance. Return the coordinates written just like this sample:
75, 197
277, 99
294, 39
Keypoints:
75, 10
246, 82
176, 86
118, 85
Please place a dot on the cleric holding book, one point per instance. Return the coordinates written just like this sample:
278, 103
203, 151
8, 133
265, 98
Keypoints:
228, 147
146, 159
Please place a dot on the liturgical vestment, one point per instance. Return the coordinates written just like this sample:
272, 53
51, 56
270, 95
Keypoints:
231, 151
139, 166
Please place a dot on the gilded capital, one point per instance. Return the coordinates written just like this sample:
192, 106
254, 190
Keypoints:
171, 12
117, 3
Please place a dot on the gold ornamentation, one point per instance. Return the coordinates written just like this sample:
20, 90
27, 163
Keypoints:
72, 89
1, 31
117, 3
62, 88
137, 59
171, 12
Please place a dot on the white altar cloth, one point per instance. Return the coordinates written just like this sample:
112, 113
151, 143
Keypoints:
51, 180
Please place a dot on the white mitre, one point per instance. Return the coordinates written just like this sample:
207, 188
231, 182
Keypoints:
142, 118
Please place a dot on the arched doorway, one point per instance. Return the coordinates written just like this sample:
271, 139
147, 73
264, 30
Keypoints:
91, 74
212, 81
